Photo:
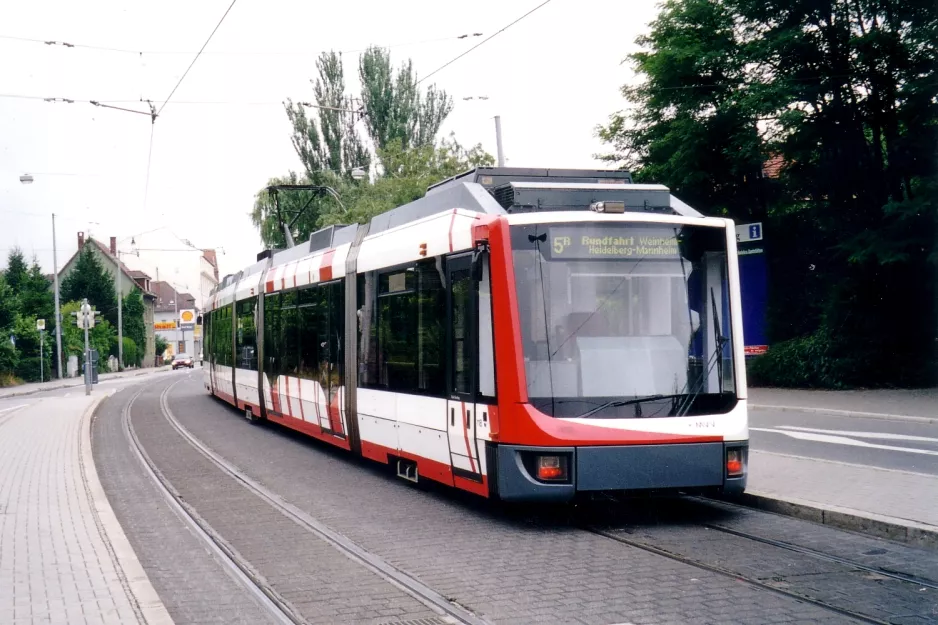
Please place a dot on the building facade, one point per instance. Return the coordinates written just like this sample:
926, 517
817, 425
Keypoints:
175, 314
129, 280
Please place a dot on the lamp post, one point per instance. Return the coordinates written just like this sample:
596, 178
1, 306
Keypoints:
120, 303
498, 131
28, 179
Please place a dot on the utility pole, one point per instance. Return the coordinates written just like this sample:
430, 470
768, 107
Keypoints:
498, 140
120, 315
42, 356
58, 315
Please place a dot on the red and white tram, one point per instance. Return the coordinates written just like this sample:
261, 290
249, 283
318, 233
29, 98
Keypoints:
521, 333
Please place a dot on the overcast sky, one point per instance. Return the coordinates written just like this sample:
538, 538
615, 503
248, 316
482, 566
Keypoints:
552, 77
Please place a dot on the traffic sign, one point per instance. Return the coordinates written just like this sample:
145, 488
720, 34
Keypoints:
749, 232
40, 324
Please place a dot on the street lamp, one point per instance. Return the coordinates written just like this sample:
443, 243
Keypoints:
28, 179
120, 301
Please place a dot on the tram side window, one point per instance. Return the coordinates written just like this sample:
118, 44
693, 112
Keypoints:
221, 330
402, 330
336, 333
272, 347
247, 334
313, 305
289, 334
206, 337
397, 347
431, 328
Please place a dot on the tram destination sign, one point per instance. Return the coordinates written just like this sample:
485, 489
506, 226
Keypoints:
568, 243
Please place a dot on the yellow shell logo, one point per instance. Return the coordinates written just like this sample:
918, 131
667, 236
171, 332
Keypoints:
187, 316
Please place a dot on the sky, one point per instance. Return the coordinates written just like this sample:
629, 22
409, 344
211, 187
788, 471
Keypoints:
191, 176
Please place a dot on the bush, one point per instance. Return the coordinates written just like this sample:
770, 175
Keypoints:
832, 360
131, 357
802, 362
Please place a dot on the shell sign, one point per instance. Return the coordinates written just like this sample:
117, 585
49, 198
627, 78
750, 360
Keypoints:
186, 318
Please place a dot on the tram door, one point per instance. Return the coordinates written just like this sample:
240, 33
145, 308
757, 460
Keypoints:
462, 354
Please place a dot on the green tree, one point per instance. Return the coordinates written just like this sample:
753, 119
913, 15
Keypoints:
328, 143
17, 271
101, 337
89, 279
845, 93
35, 295
161, 346
8, 354
28, 350
407, 174
395, 109
134, 326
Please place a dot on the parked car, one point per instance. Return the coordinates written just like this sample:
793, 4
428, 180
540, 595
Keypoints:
183, 360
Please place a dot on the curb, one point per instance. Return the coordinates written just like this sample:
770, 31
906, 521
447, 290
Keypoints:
848, 413
135, 581
59, 387
910, 533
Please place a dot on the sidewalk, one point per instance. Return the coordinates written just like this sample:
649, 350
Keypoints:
63, 555
905, 402
893, 504
52, 385
887, 502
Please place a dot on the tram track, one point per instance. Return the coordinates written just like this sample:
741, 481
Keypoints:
605, 533
268, 597
913, 584
820, 555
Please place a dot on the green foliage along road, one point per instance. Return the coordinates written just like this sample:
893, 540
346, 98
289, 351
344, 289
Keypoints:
26, 295
842, 98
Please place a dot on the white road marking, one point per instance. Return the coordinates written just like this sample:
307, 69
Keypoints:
880, 435
12, 408
843, 440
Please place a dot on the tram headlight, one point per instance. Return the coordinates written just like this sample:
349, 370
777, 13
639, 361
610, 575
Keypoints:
552, 468
734, 463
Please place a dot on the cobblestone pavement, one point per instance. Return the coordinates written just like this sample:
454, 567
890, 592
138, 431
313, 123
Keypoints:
192, 584
321, 584
866, 490
740, 541
55, 561
495, 562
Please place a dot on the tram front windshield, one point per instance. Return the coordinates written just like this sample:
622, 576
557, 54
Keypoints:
624, 320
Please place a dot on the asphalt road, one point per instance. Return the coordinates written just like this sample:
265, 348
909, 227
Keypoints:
884, 443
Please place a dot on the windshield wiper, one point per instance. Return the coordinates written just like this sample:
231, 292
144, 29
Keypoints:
638, 401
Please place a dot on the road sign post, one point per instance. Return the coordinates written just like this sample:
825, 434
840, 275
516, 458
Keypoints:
83, 317
41, 326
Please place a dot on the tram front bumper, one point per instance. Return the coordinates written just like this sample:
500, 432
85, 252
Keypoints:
697, 467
